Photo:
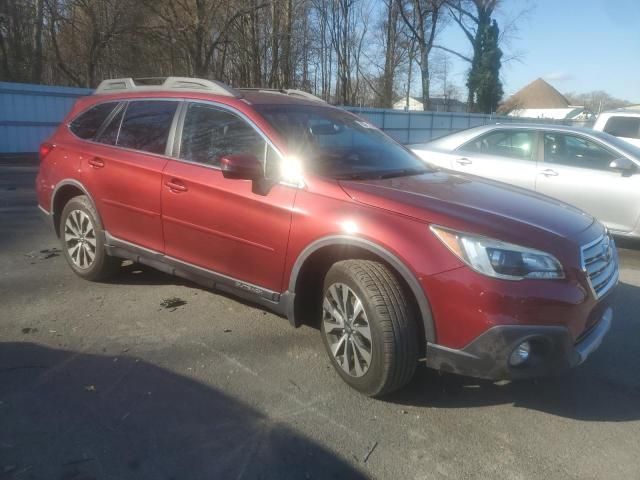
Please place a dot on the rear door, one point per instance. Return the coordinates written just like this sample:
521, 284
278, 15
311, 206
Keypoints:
124, 170
576, 170
504, 155
232, 227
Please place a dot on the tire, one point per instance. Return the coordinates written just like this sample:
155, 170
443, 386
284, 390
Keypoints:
392, 350
82, 238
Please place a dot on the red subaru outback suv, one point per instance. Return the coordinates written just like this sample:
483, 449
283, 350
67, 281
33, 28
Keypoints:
315, 214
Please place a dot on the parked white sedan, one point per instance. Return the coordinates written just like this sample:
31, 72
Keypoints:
594, 171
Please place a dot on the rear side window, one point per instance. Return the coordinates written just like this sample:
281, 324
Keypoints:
87, 124
146, 125
110, 132
503, 143
628, 127
210, 133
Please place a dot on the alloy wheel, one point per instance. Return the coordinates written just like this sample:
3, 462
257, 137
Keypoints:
80, 239
347, 329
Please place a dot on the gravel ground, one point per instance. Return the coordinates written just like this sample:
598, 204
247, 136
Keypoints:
100, 381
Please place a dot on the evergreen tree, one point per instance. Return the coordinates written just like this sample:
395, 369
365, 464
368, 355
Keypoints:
484, 76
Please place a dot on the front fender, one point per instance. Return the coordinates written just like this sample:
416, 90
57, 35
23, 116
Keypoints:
407, 275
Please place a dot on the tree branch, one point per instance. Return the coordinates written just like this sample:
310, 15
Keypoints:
453, 52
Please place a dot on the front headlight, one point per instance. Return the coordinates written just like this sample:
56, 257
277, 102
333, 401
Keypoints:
499, 259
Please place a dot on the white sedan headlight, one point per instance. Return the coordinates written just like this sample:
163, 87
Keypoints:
498, 259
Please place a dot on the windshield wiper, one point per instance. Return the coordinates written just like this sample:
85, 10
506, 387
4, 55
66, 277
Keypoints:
405, 172
356, 176
381, 175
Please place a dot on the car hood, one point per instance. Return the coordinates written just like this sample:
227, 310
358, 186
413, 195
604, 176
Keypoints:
472, 204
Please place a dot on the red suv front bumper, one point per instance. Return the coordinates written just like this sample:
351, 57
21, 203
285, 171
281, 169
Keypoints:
553, 351
480, 322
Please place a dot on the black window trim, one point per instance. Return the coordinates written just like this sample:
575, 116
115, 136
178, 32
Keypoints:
170, 133
533, 155
172, 150
116, 111
104, 123
176, 141
125, 102
613, 152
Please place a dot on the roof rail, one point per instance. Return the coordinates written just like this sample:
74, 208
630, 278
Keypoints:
286, 91
167, 83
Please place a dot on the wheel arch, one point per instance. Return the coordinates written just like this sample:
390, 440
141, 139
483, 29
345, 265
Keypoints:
321, 254
64, 191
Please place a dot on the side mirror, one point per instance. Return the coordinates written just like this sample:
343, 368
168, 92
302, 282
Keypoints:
243, 166
623, 165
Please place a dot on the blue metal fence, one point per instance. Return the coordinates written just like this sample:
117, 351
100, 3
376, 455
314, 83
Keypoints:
30, 113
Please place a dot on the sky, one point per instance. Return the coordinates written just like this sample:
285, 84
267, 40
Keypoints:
575, 45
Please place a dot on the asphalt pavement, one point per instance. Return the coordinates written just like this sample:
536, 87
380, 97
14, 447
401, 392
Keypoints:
111, 381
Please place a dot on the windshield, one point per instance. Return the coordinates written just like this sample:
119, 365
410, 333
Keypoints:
337, 144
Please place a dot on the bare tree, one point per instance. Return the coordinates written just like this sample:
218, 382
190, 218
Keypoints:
422, 17
82, 31
21, 30
347, 51
36, 67
199, 28
596, 101
392, 56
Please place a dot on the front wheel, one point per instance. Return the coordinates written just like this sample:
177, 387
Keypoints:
368, 327
82, 240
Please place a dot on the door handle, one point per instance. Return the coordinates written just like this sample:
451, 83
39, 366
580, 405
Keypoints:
176, 185
549, 173
96, 162
464, 161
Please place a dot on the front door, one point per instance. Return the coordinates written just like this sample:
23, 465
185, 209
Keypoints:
227, 226
576, 170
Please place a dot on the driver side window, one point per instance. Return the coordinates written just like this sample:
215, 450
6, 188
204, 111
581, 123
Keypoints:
209, 133
576, 151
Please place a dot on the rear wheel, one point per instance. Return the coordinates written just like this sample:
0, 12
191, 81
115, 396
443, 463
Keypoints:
82, 240
368, 327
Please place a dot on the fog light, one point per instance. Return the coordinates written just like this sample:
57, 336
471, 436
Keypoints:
520, 354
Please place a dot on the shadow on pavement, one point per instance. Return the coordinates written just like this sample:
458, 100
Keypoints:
606, 388
138, 274
75, 416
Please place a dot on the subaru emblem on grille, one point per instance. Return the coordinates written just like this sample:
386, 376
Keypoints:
606, 249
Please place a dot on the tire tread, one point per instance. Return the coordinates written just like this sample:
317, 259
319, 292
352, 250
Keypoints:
106, 265
396, 321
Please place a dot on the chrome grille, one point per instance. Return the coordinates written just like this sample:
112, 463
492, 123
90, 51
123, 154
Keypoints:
600, 264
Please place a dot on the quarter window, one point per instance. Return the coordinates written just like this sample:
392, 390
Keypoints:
146, 125
503, 143
87, 124
209, 133
627, 127
576, 151
109, 134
